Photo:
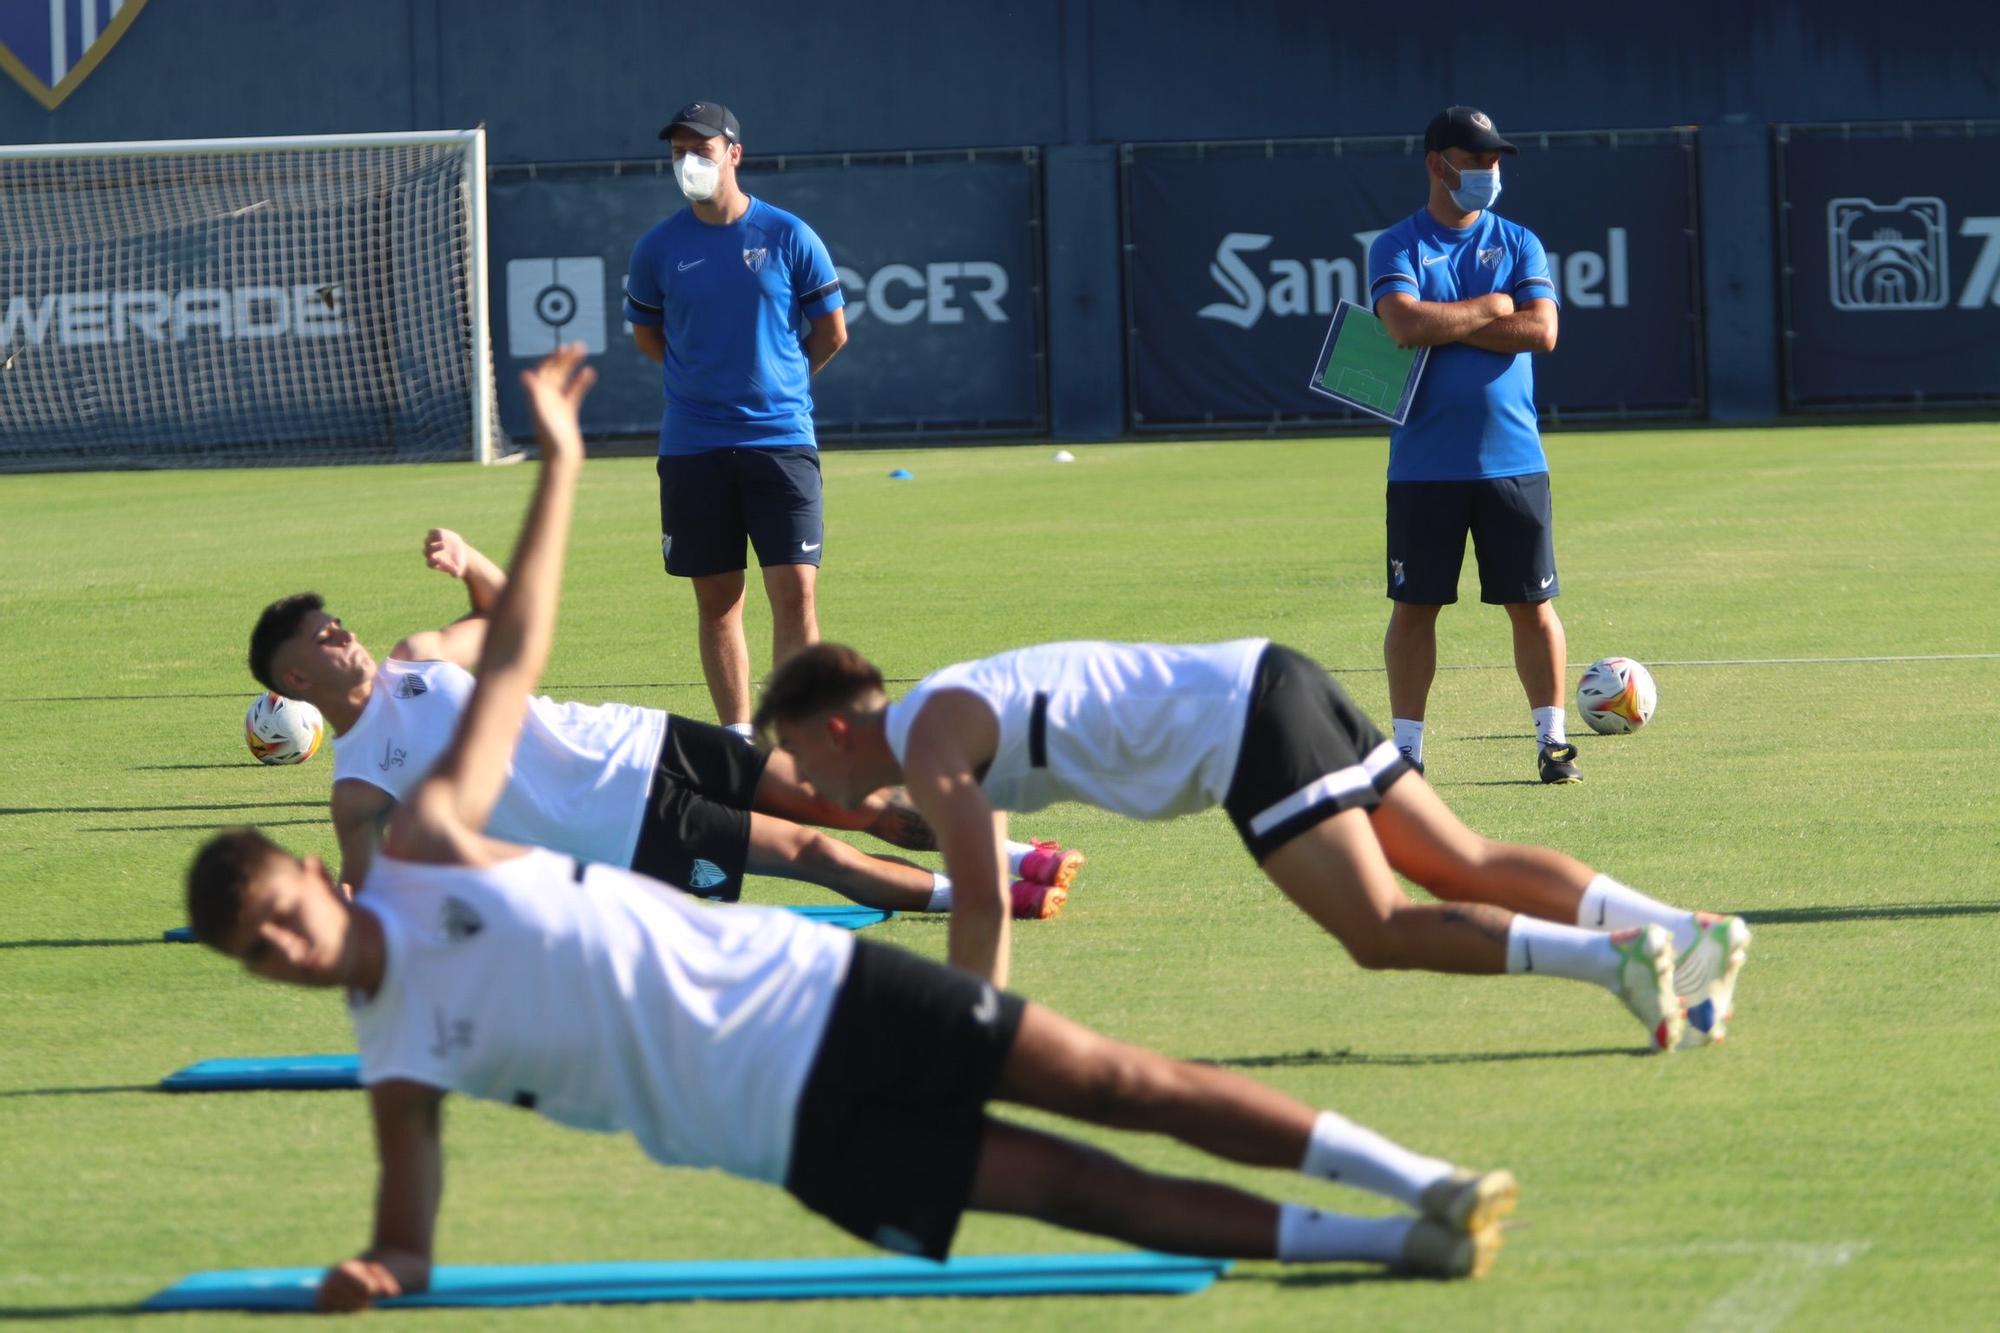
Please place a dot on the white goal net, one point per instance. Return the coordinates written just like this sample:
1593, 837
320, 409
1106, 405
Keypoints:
236, 302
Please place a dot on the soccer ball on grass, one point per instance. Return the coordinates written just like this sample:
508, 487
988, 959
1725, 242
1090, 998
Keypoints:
1616, 695
283, 731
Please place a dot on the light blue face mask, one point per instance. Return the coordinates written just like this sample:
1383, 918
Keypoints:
1477, 189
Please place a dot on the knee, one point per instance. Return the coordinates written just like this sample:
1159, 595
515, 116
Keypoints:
1379, 946
1081, 1196
717, 606
816, 852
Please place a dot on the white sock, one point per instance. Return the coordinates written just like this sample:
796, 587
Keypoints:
1549, 726
1309, 1236
1355, 1155
940, 893
1409, 738
743, 729
1609, 905
1015, 851
1534, 945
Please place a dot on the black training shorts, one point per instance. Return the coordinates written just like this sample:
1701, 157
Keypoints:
696, 834
893, 1114
1512, 525
1308, 754
712, 502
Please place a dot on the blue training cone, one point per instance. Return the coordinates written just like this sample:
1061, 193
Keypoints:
902, 474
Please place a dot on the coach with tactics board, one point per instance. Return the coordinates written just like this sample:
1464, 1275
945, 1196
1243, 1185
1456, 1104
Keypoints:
740, 304
1475, 288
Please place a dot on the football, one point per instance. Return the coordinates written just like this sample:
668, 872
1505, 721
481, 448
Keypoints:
1616, 695
283, 731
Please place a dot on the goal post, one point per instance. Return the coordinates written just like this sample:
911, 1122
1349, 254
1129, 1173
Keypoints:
240, 302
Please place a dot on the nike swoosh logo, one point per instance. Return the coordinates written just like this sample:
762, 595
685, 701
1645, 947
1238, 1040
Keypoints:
1547, 581
682, 268
1600, 913
1435, 259
1529, 950
810, 546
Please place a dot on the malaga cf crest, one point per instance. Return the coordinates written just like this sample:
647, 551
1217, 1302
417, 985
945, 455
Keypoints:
50, 48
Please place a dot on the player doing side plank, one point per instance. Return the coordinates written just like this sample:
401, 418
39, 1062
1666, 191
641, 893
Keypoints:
681, 800
749, 1039
1329, 809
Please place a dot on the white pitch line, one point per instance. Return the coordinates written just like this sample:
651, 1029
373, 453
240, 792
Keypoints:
1762, 1302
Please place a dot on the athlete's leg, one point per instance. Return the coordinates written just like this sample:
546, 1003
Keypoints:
1060, 1066
1409, 650
725, 656
1337, 874
1428, 844
792, 590
792, 851
1540, 651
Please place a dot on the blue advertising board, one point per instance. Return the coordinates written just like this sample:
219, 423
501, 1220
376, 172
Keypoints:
938, 255
1891, 273
1237, 255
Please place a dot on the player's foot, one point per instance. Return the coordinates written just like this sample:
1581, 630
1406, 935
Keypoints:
1705, 976
1036, 902
1435, 1250
1050, 864
1470, 1201
1558, 764
1646, 982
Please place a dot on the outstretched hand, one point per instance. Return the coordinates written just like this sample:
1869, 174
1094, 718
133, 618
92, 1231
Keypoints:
446, 552
355, 1284
556, 390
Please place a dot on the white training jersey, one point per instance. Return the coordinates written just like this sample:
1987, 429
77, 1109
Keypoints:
577, 781
607, 1003
1148, 730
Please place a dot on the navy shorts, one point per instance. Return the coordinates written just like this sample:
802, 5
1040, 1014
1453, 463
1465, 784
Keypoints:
712, 502
1513, 538
1308, 753
893, 1114
696, 831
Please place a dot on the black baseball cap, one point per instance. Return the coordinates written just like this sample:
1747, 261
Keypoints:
1463, 127
708, 119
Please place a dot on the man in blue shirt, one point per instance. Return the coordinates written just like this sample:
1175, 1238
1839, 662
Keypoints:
740, 304
1475, 289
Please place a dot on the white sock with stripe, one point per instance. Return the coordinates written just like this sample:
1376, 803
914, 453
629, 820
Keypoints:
1309, 1236
1409, 738
1549, 727
1608, 905
940, 892
1534, 945
1356, 1155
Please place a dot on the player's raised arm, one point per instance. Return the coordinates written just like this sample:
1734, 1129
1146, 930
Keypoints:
949, 739
470, 776
463, 639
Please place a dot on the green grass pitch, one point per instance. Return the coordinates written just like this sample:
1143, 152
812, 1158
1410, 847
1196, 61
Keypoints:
1834, 1165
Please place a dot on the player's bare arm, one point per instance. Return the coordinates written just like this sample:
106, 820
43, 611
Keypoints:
1531, 328
1414, 323
411, 1182
442, 818
459, 642
951, 740
651, 342
359, 814
829, 335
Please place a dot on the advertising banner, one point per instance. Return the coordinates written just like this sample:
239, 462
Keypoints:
1237, 255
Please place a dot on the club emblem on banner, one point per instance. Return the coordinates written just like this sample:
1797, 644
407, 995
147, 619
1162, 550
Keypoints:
1888, 256
50, 49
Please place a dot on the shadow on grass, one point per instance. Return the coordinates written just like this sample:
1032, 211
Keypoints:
1298, 1059
168, 768
79, 1092
1812, 916
1347, 1277
80, 944
24, 1312
195, 828
155, 809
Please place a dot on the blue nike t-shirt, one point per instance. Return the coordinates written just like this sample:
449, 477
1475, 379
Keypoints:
732, 301
1474, 413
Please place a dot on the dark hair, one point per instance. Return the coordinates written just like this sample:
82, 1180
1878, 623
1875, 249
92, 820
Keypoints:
822, 677
279, 622
216, 878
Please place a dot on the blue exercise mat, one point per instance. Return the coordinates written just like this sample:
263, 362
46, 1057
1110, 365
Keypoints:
848, 916
294, 1073
731, 1280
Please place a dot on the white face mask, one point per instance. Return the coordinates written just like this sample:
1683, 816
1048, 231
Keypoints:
698, 177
